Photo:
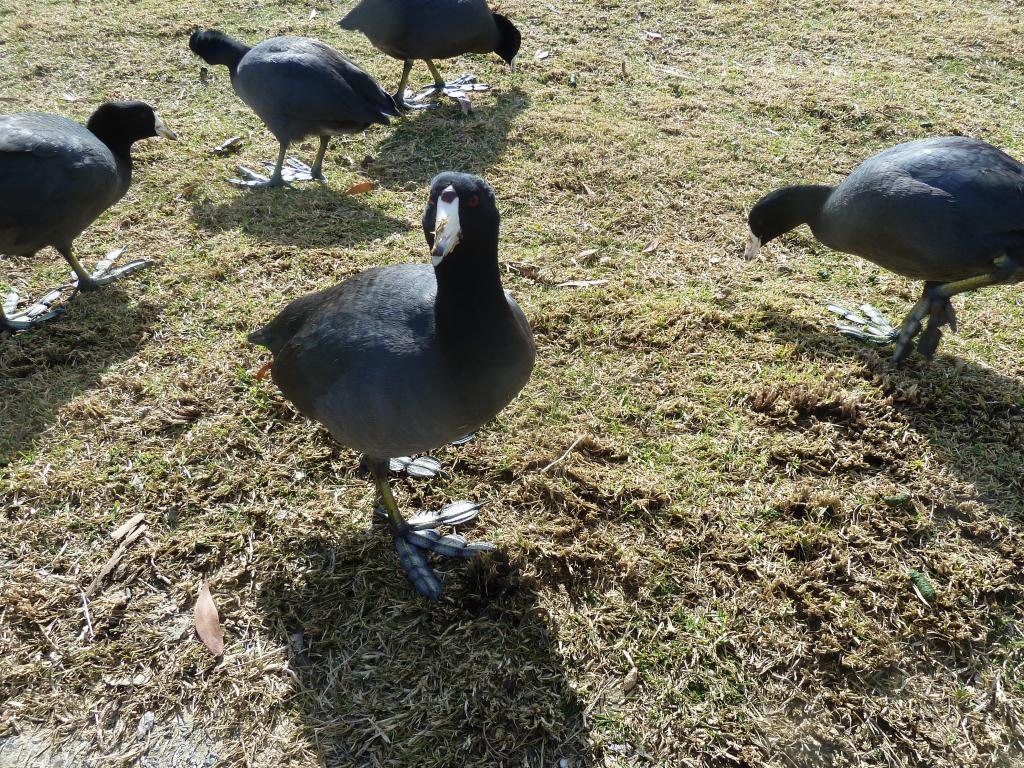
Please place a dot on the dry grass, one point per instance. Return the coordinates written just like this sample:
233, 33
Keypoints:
749, 493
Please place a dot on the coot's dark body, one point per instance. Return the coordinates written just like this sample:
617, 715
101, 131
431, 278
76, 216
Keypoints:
937, 209
56, 178
298, 87
947, 210
402, 359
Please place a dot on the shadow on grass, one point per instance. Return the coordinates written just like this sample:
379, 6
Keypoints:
387, 678
309, 215
424, 143
972, 416
43, 368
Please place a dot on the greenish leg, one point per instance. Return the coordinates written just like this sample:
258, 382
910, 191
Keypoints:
438, 80
317, 170
935, 304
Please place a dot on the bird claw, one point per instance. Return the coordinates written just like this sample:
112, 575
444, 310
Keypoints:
423, 467
291, 170
939, 310
456, 513
450, 545
39, 311
864, 324
420, 535
456, 90
416, 567
104, 275
412, 547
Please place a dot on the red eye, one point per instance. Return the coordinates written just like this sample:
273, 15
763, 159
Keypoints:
474, 201
430, 199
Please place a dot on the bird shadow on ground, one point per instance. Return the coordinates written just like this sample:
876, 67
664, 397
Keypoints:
972, 416
427, 142
47, 366
308, 214
384, 677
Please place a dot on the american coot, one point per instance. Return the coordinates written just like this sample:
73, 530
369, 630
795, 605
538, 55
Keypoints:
948, 210
299, 87
434, 29
56, 177
402, 359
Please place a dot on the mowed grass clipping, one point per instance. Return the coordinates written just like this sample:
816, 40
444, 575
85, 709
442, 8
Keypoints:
764, 548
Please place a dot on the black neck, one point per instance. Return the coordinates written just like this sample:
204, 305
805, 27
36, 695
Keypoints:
119, 145
804, 203
470, 299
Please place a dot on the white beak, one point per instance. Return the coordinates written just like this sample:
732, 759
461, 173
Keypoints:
447, 230
753, 246
161, 128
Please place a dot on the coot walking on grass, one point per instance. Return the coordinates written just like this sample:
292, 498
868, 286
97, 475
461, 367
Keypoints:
299, 87
402, 359
56, 178
434, 29
948, 210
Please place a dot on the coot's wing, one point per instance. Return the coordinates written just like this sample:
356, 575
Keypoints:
986, 184
55, 178
355, 332
310, 84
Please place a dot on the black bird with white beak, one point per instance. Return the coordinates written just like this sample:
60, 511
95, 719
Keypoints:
403, 359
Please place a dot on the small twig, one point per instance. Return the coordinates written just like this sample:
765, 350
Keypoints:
88, 618
567, 452
127, 527
115, 559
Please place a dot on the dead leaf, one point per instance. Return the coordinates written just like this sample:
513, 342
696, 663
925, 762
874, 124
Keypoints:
230, 146
361, 188
581, 283
261, 374
588, 253
127, 526
652, 247
70, 96
541, 55
312, 14
631, 679
207, 621
654, 36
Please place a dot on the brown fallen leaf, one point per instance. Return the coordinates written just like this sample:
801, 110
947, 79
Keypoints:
588, 253
207, 621
652, 247
261, 374
361, 188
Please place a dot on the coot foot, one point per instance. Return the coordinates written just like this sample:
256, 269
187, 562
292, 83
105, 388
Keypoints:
457, 89
104, 275
412, 545
422, 467
292, 170
36, 313
936, 306
417, 536
864, 324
